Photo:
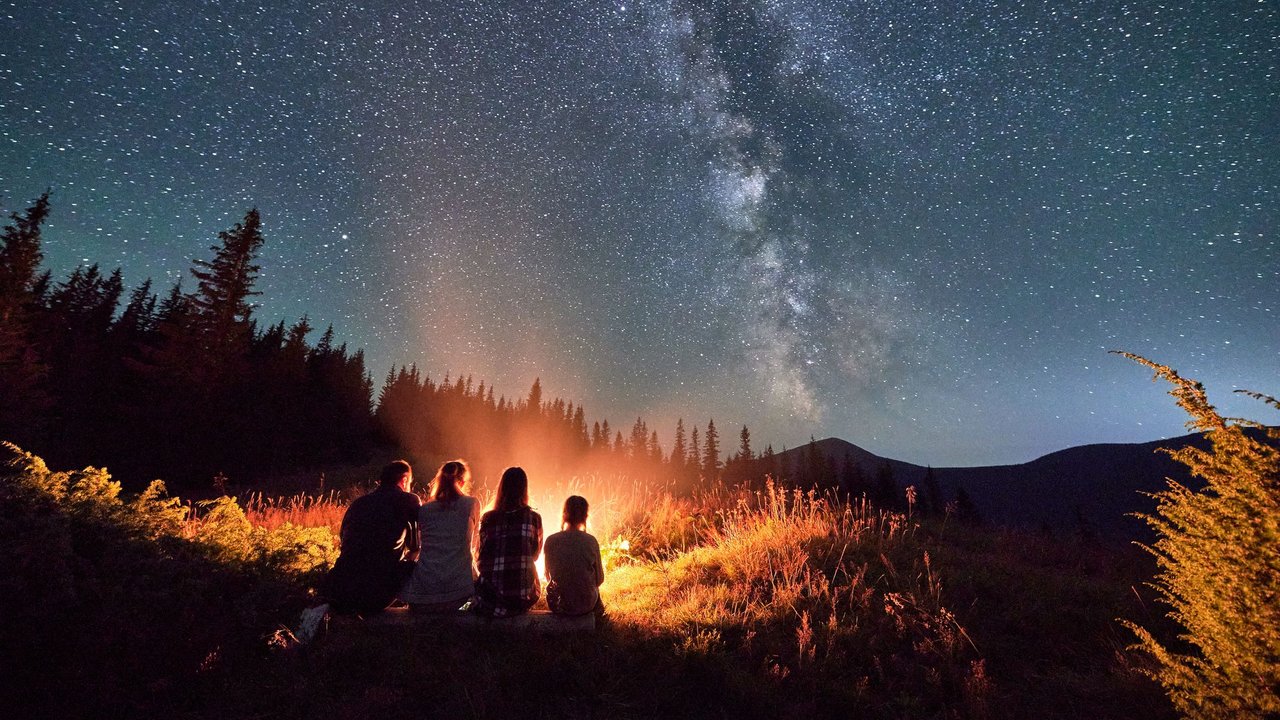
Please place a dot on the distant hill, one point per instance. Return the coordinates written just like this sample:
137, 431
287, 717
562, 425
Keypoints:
1091, 488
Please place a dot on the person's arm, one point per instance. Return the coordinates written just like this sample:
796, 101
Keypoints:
473, 534
483, 561
537, 526
412, 540
415, 542
599, 562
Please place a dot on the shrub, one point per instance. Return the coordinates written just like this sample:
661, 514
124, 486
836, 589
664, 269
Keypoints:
128, 601
1219, 558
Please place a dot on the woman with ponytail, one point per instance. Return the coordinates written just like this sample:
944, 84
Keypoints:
444, 576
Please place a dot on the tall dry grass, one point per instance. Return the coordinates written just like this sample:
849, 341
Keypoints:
795, 572
775, 603
300, 509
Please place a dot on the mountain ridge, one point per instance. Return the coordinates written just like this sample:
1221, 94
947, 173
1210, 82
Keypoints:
1089, 489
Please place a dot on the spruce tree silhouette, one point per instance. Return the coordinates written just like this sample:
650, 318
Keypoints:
222, 311
711, 453
23, 404
679, 453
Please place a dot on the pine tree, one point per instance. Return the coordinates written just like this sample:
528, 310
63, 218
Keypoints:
711, 452
770, 462
678, 451
139, 315
852, 479
23, 403
695, 454
1219, 557
83, 374
744, 445
581, 439
20, 257
886, 487
966, 511
534, 402
639, 444
221, 305
811, 472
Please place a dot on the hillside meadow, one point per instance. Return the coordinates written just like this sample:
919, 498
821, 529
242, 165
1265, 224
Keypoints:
731, 603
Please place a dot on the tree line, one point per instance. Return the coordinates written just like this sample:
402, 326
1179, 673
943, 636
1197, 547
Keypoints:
178, 383
186, 383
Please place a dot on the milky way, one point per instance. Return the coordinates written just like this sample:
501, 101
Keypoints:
915, 226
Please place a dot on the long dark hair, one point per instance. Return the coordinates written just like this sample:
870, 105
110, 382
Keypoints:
450, 482
513, 490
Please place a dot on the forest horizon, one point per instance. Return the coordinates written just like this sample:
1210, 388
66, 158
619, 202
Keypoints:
191, 386
145, 343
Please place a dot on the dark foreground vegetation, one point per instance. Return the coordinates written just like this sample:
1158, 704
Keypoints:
767, 604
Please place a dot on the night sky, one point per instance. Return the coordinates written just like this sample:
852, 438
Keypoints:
916, 226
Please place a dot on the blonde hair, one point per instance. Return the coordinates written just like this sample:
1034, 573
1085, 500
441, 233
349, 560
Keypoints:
450, 482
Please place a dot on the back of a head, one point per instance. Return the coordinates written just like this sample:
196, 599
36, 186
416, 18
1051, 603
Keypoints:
449, 481
392, 473
513, 490
575, 512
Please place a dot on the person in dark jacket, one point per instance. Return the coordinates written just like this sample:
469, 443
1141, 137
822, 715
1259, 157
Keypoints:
379, 545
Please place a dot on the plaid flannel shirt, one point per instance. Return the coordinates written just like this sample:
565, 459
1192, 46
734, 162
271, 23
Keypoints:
509, 546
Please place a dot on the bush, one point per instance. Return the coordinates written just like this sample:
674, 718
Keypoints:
1219, 558
128, 601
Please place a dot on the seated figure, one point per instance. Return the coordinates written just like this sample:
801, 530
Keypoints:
444, 576
574, 568
510, 541
379, 544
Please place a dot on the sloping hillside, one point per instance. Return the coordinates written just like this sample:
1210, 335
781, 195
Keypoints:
1091, 488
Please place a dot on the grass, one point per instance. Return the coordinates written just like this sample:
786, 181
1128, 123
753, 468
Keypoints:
301, 509
736, 604
767, 604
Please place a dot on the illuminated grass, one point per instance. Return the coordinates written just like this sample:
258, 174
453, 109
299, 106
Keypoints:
731, 603
301, 509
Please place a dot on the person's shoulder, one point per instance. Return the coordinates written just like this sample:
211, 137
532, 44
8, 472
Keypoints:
406, 500
462, 505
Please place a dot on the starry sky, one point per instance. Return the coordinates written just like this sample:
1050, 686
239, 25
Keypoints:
917, 226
